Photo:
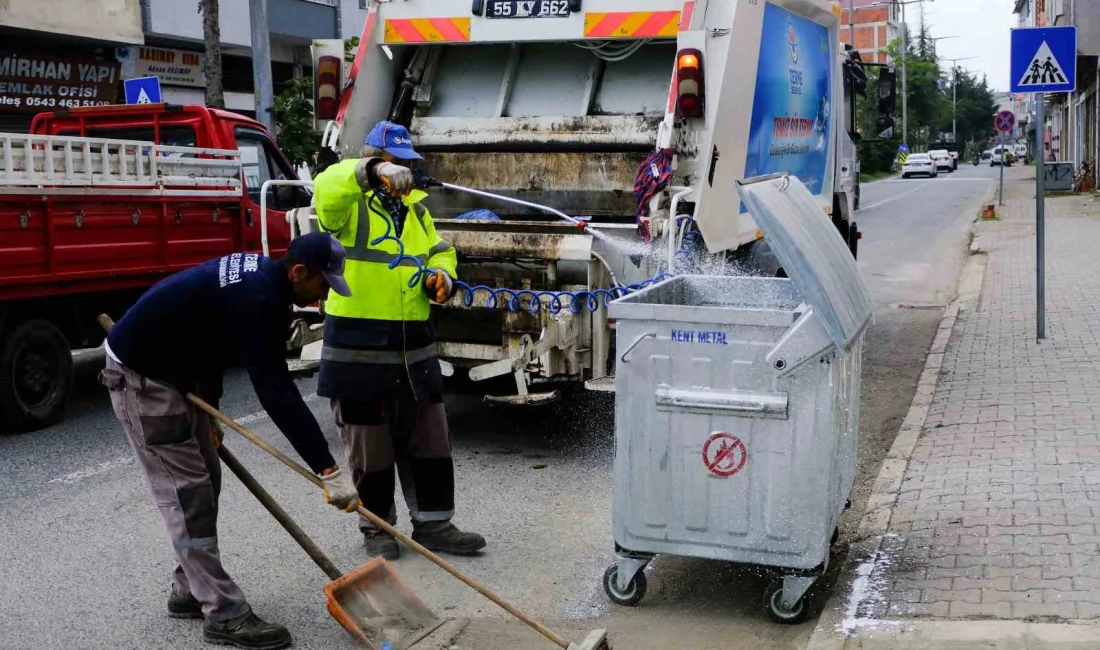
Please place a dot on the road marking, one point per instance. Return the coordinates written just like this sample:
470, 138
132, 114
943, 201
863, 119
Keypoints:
95, 470
865, 208
938, 180
262, 415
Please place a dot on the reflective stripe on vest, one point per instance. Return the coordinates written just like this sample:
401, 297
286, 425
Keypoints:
387, 357
380, 292
361, 251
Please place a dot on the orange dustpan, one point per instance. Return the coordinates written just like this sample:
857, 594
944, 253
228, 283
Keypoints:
372, 602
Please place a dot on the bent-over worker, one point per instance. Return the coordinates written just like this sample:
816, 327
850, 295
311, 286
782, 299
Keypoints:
378, 365
179, 338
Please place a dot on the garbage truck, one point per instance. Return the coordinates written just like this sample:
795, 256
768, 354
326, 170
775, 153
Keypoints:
635, 118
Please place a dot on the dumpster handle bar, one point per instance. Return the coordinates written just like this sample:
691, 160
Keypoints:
635, 344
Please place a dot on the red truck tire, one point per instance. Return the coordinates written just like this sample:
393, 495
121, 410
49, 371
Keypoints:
36, 375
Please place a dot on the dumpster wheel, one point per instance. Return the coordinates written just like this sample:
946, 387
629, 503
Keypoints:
781, 614
634, 592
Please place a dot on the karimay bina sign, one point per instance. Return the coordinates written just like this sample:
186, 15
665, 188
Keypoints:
37, 83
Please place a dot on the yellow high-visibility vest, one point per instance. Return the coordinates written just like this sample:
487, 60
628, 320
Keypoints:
378, 292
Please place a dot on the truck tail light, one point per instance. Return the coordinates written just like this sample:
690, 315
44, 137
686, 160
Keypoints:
689, 84
327, 89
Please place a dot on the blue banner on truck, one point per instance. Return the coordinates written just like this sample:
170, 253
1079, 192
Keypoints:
792, 103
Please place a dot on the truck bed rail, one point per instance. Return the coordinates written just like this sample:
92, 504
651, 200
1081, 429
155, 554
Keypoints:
61, 164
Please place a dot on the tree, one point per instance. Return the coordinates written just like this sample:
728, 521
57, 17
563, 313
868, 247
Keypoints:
974, 108
212, 42
293, 116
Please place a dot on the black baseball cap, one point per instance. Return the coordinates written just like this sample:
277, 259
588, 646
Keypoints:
320, 251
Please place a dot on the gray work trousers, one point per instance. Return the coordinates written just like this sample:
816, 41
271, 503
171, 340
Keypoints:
418, 443
174, 445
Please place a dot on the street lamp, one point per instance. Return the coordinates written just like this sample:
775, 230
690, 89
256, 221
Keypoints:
955, 96
904, 55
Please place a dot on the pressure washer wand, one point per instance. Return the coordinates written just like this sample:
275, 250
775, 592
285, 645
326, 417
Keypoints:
422, 181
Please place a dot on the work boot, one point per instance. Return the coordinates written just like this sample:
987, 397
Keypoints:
246, 631
380, 544
186, 606
450, 540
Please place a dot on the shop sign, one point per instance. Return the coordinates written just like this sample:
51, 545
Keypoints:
30, 82
174, 67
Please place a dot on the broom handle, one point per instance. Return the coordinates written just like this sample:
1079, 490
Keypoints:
383, 524
106, 322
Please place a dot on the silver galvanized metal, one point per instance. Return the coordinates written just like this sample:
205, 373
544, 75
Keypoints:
737, 404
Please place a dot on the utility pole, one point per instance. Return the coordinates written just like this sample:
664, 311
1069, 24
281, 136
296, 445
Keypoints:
955, 96
261, 62
904, 78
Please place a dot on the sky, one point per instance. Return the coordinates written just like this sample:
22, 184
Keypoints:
982, 28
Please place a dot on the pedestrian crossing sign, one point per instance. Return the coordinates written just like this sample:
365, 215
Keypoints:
1044, 60
142, 90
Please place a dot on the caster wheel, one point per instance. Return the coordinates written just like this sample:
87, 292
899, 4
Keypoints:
633, 593
781, 614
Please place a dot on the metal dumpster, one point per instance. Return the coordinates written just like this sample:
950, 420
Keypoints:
737, 408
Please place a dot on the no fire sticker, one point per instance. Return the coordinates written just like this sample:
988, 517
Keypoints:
724, 454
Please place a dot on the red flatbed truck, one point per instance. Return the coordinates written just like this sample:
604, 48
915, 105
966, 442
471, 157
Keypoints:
96, 205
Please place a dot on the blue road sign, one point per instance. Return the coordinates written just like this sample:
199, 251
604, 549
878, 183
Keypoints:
1005, 121
143, 90
1044, 60
903, 148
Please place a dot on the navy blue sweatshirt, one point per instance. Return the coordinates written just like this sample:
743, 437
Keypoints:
190, 326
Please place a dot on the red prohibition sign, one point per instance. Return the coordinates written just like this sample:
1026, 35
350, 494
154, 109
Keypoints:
724, 454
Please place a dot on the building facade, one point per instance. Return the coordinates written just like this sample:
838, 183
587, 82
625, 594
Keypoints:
1072, 120
874, 24
77, 52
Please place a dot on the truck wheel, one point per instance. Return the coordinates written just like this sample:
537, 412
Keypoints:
36, 376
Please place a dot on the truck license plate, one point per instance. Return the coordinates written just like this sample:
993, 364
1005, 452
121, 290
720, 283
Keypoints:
526, 8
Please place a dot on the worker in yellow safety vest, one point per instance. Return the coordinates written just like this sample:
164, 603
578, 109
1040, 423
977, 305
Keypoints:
378, 364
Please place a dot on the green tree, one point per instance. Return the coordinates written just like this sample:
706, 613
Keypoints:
974, 108
293, 115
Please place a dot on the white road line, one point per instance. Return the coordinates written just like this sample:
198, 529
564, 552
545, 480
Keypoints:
95, 470
106, 466
940, 180
262, 415
865, 208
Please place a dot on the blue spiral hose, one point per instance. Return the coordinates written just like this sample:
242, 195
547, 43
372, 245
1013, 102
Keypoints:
523, 299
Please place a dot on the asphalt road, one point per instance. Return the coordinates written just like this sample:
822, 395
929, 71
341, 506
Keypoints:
84, 562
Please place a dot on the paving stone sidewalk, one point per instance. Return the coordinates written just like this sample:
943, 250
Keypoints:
999, 510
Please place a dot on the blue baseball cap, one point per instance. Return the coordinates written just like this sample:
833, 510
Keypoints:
394, 139
320, 251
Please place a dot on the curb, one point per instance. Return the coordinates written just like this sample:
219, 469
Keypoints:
829, 633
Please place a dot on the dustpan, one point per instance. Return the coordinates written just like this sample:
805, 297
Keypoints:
375, 606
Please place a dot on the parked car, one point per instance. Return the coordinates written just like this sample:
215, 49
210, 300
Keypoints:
987, 155
954, 160
943, 160
919, 164
1001, 155
1020, 152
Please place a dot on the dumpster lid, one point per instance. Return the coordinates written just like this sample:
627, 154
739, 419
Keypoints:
812, 253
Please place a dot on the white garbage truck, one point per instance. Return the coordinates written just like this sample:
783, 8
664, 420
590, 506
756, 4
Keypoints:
635, 117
